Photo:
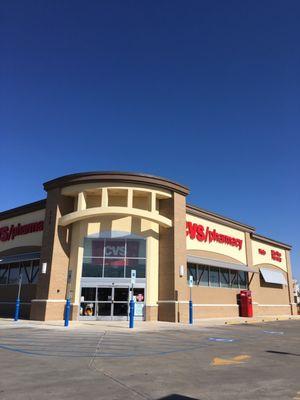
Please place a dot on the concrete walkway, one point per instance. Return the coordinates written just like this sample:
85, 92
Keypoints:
139, 326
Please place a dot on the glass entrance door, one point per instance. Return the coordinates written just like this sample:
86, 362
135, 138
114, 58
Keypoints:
112, 303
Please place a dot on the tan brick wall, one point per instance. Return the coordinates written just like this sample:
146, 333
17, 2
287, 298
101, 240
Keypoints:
172, 254
55, 252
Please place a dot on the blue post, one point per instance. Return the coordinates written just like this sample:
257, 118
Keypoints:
191, 312
67, 312
131, 313
17, 310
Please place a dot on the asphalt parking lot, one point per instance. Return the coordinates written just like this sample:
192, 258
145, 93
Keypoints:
260, 361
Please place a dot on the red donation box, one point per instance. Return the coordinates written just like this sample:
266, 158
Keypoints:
246, 309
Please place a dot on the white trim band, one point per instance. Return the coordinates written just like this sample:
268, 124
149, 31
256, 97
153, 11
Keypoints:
52, 301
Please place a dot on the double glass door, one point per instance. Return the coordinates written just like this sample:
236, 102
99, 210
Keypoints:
113, 302
109, 302
104, 302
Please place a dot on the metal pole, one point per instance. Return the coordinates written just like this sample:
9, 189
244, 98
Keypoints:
191, 307
67, 312
17, 309
131, 309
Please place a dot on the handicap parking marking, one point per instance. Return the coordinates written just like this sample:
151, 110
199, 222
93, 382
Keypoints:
225, 340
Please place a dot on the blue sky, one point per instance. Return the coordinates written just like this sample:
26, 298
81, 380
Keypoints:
202, 92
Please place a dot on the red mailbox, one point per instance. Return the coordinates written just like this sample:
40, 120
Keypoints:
246, 309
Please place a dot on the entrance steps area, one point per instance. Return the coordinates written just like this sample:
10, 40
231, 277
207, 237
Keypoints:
139, 326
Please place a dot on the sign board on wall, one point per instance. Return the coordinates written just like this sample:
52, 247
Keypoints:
209, 236
22, 230
265, 254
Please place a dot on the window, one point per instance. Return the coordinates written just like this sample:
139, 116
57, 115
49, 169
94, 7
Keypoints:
224, 277
13, 276
10, 272
114, 258
4, 273
214, 277
205, 275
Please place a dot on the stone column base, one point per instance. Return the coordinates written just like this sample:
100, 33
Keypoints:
167, 312
43, 310
151, 313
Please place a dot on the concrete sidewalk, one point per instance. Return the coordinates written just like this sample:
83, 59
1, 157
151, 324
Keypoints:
139, 326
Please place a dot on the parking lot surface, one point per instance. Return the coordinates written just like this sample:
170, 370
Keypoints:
260, 361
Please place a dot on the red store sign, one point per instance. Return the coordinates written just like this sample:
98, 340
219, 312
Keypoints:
196, 231
10, 232
275, 255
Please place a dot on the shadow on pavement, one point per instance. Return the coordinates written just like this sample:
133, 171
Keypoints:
177, 397
283, 353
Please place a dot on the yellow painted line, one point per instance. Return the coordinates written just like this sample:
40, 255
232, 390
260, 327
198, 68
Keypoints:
242, 357
230, 361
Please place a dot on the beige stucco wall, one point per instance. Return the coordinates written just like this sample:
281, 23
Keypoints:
267, 259
221, 248
29, 239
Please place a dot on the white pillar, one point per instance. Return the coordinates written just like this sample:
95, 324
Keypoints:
104, 199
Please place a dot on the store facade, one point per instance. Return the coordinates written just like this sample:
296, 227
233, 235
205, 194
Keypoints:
93, 229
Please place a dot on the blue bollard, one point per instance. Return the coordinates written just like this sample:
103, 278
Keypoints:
67, 312
190, 312
17, 310
131, 313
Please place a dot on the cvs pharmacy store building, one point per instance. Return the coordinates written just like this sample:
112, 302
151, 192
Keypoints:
93, 229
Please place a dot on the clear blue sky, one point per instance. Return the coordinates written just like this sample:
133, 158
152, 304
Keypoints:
202, 92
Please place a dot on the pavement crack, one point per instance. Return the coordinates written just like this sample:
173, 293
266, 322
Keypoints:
93, 366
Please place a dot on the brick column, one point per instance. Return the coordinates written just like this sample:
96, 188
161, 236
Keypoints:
172, 254
51, 288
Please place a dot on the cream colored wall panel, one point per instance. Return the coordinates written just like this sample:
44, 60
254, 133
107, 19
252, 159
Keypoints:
265, 254
28, 239
214, 237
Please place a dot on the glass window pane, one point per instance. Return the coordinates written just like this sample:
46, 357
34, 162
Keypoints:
203, 275
243, 279
88, 294
120, 309
139, 294
192, 270
93, 247
13, 273
214, 277
35, 273
92, 267
234, 279
121, 294
3, 273
104, 309
114, 267
104, 294
114, 248
224, 277
87, 309
136, 248
138, 264
25, 270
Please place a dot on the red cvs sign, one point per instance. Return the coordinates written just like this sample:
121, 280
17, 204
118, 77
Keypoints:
196, 231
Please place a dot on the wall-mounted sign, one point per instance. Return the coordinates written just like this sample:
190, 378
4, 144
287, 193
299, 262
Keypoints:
10, 232
207, 235
275, 255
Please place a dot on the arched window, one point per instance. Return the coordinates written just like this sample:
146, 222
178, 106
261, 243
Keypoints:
113, 255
